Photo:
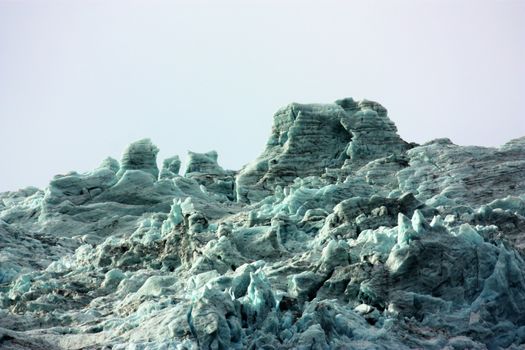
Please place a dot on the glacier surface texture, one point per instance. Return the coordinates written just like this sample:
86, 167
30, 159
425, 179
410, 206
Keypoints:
339, 235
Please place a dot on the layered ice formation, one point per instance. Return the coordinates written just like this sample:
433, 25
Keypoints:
340, 235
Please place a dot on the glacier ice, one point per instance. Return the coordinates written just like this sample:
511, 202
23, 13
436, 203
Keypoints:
340, 235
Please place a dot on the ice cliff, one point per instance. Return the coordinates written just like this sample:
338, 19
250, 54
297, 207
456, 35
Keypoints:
340, 235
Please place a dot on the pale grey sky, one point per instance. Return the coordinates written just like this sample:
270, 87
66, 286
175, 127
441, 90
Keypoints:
79, 80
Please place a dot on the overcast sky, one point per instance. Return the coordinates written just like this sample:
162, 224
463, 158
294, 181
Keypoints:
79, 80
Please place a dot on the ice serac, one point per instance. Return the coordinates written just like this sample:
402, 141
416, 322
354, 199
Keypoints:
340, 235
170, 168
307, 139
140, 155
374, 135
204, 169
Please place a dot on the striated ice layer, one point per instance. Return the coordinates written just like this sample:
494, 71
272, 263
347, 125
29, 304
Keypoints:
308, 139
340, 235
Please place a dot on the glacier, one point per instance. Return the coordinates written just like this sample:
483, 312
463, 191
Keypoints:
339, 235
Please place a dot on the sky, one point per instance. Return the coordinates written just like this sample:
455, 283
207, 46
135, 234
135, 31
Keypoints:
79, 80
